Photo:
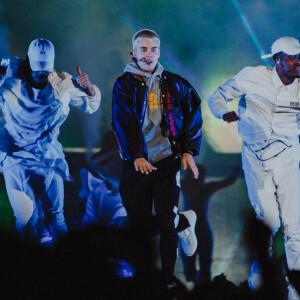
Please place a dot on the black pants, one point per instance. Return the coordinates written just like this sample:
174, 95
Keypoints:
138, 192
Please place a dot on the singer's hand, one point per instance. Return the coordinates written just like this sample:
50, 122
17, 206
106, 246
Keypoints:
143, 166
188, 160
84, 81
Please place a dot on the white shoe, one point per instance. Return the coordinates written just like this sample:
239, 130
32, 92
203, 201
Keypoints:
292, 295
187, 236
46, 240
255, 279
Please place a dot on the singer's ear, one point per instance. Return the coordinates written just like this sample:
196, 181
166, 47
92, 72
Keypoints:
133, 56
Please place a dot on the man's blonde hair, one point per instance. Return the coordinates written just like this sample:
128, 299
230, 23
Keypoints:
146, 34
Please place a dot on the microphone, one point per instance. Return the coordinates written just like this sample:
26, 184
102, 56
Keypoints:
144, 60
137, 60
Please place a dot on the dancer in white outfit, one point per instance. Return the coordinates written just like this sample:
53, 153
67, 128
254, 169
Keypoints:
35, 102
269, 123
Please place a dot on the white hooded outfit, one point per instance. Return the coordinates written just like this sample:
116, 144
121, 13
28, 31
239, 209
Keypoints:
269, 125
31, 158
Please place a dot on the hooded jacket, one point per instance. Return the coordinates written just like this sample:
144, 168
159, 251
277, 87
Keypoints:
158, 145
29, 133
181, 121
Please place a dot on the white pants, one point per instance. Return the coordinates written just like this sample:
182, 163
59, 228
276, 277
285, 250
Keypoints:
36, 197
274, 191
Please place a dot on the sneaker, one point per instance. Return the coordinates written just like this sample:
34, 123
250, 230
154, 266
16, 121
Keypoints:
46, 240
292, 293
255, 279
187, 236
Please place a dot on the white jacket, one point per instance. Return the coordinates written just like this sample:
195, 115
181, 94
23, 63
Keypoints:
32, 117
269, 110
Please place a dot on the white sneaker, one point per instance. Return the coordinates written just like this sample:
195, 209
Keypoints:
292, 295
187, 236
255, 279
46, 240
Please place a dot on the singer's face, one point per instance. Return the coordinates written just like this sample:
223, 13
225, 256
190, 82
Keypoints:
147, 54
